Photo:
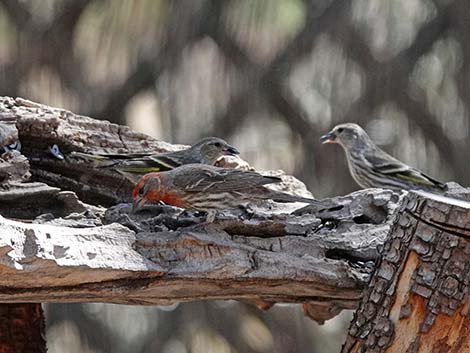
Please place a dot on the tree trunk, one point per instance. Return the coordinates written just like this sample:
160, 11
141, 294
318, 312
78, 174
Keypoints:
418, 299
22, 328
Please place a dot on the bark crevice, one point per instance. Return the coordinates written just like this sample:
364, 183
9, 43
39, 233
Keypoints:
86, 245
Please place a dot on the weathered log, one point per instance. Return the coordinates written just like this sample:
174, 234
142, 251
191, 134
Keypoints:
418, 299
244, 255
320, 256
40, 127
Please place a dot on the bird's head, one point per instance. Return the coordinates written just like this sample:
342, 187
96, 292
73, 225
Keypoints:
148, 190
210, 149
348, 135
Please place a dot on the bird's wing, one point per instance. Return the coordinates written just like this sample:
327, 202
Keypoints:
100, 161
149, 164
123, 156
136, 162
216, 180
419, 177
167, 160
157, 162
387, 165
109, 156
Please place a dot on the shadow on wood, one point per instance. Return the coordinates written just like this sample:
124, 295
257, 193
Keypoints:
321, 257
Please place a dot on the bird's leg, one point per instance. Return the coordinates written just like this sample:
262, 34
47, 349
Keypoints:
210, 218
248, 209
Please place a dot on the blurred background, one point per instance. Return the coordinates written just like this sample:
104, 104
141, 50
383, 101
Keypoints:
270, 76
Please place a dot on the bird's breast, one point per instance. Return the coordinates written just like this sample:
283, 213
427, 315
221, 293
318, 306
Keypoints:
212, 201
174, 199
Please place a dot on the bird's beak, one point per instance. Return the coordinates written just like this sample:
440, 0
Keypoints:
138, 204
328, 138
231, 151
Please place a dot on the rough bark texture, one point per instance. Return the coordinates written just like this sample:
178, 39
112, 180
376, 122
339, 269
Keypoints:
40, 127
418, 299
167, 257
321, 257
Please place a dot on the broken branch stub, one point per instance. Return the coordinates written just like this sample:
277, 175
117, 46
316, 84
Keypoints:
418, 299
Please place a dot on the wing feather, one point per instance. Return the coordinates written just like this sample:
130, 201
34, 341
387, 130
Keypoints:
205, 178
387, 165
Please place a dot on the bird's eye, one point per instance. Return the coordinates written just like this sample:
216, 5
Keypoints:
217, 144
141, 191
340, 130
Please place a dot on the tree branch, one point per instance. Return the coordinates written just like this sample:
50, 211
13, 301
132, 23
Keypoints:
320, 256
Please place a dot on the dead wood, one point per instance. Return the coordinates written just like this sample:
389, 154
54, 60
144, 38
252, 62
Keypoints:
57, 247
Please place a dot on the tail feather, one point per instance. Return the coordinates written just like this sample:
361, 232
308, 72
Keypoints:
87, 156
124, 156
138, 168
99, 160
279, 196
293, 198
133, 163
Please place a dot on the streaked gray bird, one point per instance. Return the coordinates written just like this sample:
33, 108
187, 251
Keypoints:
206, 151
208, 188
370, 166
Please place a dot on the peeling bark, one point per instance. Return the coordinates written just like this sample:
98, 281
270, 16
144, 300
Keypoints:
168, 257
321, 257
418, 300
40, 126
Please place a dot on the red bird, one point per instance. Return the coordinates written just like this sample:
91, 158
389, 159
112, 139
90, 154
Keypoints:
207, 188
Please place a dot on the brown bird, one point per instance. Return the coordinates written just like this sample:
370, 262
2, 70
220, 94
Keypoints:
207, 188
